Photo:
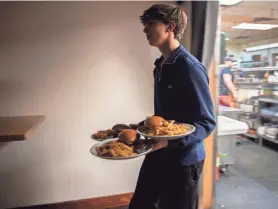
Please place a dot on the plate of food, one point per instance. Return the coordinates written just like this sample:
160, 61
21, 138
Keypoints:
109, 133
156, 127
127, 145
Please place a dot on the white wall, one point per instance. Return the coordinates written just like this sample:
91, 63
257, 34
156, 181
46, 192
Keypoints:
85, 66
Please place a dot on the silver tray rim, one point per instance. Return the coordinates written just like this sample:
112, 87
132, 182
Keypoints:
140, 131
94, 151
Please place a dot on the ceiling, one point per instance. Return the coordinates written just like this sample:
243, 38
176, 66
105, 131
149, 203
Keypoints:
250, 12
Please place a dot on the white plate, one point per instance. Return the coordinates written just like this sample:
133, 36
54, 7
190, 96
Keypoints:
94, 151
142, 131
102, 140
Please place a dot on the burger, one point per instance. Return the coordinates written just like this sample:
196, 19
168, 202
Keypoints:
128, 136
118, 128
153, 122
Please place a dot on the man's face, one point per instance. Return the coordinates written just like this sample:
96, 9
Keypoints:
157, 33
229, 63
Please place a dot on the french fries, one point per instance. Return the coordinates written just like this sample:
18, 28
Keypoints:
104, 134
168, 128
115, 149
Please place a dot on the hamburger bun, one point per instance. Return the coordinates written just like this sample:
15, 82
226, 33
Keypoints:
118, 128
154, 121
128, 136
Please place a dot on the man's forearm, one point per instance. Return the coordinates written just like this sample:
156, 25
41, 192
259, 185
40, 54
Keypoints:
230, 86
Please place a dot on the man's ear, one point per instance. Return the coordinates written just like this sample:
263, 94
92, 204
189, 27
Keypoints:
171, 26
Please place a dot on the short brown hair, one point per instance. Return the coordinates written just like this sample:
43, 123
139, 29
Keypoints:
166, 13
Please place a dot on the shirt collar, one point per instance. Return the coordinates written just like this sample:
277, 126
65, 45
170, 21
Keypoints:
172, 58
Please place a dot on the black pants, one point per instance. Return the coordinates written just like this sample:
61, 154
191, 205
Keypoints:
165, 181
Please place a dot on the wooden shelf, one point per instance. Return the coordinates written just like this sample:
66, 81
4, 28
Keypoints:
272, 117
258, 69
18, 128
273, 100
269, 139
254, 136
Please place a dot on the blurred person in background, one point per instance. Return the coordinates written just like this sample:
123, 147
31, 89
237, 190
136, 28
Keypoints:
228, 93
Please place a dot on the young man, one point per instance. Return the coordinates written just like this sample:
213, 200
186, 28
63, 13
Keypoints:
169, 175
226, 83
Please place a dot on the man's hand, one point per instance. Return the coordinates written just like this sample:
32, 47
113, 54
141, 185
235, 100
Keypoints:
234, 93
159, 144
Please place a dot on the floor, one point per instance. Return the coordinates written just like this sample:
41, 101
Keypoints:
252, 183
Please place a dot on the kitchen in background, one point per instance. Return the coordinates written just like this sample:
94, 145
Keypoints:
247, 161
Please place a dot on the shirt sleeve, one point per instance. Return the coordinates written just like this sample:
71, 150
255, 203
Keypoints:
227, 71
194, 81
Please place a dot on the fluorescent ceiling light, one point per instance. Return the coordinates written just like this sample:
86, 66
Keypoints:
229, 2
252, 26
256, 48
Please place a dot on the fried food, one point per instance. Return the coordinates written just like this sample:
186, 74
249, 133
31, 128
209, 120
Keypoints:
168, 128
154, 121
104, 134
124, 147
115, 149
110, 133
118, 128
128, 136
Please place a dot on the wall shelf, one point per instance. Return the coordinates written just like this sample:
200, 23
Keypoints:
18, 128
272, 117
273, 100
268, 139
258, 69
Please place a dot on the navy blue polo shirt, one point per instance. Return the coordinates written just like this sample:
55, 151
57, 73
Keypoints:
181, 93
